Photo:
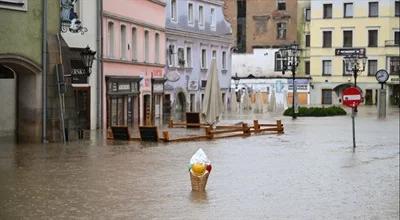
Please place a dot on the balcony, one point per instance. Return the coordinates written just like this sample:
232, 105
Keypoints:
391, 43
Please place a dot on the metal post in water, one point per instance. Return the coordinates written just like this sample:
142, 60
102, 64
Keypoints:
353, 114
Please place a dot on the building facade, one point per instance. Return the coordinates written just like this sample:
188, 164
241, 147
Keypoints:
133, 54
85, 91
262, 24
197, 32
373, 25
23, 68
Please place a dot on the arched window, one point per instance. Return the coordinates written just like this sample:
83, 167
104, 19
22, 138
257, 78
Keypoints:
123, 42
110, 39
134, 44
157, 48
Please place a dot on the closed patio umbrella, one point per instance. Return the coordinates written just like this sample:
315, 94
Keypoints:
212, 104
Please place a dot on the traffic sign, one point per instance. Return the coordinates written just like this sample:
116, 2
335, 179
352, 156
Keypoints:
352, 97
350, 51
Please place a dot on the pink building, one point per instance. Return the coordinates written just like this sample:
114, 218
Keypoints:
133, 54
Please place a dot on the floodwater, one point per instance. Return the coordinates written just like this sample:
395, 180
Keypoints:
310, 172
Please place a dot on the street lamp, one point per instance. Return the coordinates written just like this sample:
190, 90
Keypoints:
87, 56
355, 64
236, 80
290, 56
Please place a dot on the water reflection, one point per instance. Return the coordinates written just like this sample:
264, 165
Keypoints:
198, 197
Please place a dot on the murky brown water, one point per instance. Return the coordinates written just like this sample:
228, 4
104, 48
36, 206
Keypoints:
309, 172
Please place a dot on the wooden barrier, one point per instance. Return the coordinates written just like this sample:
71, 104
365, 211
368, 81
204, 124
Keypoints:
221, 131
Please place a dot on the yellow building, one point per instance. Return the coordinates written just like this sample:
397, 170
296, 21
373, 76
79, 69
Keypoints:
369, 24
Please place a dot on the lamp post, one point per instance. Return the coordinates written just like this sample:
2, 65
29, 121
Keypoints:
290, 55
87, 56
355, 64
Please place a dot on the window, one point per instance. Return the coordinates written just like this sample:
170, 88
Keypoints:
326, 96
123, 42
173, 10
110, 36
394, 65
214, 54
348, 10
347, 38
203, 58
397, 38
134, 44
190, 13
171, 55
346, 71
281, 5
146, 46
307, 40
326, 67
213, 19
327, 39
397, 8
157, 48
307, 67
188, 57
307, 14
281, 30
201, 16
372, 67
181, 57
373, 9
372, 38
327, 11
14, 4
223, 60
279, 61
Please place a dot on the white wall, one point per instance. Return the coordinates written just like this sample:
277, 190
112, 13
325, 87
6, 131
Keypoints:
259, 63
87, 14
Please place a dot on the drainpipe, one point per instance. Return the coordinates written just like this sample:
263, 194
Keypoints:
44, 72
99, 39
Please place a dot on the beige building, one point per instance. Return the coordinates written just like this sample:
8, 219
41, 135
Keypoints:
373, 25
262, 23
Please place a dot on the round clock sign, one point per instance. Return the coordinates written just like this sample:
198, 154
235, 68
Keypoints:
382, 76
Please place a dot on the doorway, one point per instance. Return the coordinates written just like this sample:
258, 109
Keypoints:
180, 109
22, 109
82, 100
146, 110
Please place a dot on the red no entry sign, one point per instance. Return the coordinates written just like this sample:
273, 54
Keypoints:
351, 97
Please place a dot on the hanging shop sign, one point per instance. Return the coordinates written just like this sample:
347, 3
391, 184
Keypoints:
78, 72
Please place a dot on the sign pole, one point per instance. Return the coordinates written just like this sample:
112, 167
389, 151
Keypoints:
353, 114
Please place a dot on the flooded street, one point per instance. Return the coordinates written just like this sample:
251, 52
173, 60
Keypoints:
310, 172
